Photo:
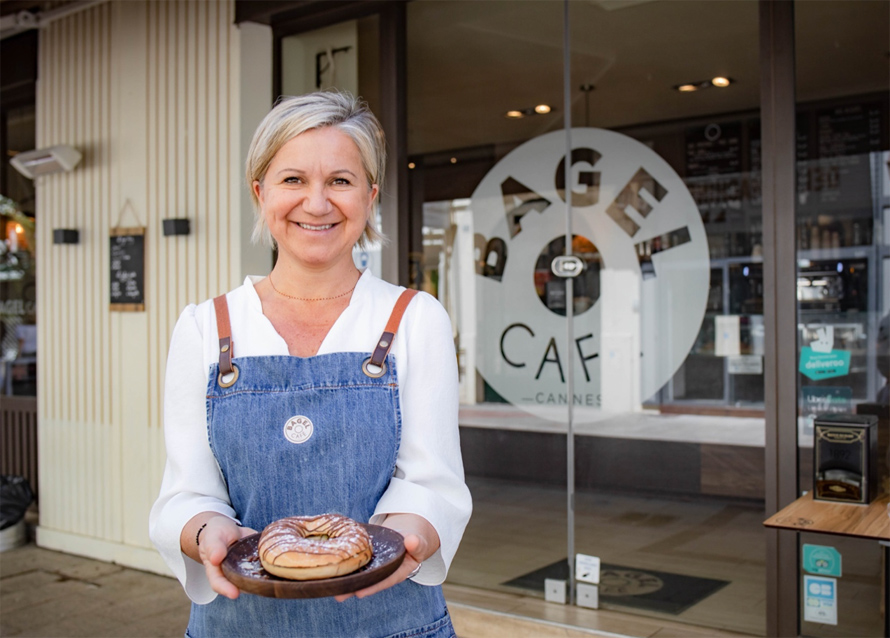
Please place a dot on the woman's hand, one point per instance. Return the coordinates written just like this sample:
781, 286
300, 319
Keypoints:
217, 533
421, 542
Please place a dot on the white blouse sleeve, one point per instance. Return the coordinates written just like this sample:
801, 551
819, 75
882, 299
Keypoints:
429, 476
193, 482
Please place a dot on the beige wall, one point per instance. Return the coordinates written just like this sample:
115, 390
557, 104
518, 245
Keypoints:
160, 97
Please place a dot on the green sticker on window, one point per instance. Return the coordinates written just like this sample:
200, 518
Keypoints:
822, 560
824, 365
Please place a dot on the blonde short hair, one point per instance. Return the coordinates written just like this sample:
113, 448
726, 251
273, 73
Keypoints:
292, 116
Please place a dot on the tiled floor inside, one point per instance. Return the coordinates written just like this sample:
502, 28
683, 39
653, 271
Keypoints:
517, 529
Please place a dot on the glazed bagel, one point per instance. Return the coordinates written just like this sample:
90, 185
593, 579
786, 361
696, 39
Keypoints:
314, 547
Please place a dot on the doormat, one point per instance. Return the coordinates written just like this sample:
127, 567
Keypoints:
631, 587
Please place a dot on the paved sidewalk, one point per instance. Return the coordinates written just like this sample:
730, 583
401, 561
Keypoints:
54, 595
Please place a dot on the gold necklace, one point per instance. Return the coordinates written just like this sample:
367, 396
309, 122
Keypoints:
284, 294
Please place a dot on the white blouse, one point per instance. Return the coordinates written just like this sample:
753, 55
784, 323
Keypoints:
429, 478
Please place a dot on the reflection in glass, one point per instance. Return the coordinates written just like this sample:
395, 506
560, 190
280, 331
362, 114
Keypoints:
18, 292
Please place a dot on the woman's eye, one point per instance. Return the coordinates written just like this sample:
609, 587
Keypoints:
292, 180
341, 181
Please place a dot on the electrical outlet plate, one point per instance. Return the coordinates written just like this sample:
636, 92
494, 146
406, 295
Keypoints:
555, 591
588, 596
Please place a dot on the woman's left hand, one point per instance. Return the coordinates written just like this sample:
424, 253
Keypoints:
421, 542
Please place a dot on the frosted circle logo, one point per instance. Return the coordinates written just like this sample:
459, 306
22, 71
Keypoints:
638, 304
298, 429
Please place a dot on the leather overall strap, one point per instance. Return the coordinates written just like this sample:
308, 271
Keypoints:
224, 330
392, 326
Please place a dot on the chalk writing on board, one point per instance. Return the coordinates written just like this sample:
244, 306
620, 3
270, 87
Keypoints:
127, 269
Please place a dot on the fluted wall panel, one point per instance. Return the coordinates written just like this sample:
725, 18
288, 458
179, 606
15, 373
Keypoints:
147, 91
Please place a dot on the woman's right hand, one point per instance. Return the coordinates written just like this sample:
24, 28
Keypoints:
211, 546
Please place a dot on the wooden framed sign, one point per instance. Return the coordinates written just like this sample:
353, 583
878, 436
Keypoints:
128, 269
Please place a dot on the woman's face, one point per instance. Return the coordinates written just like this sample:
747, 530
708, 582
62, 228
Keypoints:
315, 198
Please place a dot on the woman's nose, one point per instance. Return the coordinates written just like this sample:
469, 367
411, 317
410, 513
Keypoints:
316, 200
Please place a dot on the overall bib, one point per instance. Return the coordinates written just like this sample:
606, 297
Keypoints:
302, 436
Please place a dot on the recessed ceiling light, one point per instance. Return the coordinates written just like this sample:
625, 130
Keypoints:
719, 81
540, 109
454, 160
411, 164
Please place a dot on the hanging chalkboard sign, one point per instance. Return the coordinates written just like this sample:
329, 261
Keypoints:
128, 269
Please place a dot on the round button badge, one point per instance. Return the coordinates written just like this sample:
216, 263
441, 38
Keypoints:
298, 429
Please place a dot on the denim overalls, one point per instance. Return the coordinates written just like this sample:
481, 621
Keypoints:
297, 436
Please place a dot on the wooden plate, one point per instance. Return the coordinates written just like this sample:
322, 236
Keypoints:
243, 568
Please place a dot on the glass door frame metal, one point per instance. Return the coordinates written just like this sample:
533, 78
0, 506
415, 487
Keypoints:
570, 311
778, 178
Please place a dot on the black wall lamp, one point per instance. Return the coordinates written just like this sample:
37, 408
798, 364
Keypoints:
66, 236
176, 226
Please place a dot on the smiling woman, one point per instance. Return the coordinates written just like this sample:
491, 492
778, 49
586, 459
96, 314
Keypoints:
305, 336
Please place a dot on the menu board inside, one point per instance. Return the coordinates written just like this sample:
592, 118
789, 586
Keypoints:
834, 165
714, 149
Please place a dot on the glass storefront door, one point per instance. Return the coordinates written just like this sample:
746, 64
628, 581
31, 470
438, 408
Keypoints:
666, 342
670, 467
484, 98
